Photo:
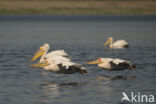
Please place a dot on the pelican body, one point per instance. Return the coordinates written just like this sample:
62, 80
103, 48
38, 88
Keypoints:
66, 67
117, 44
56, 61
112, 64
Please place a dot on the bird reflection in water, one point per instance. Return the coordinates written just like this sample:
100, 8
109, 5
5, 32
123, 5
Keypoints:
72, 84
64, 84
106, 77
51, 90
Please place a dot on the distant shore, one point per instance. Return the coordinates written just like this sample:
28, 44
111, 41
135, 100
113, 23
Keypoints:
78, 7
85, 18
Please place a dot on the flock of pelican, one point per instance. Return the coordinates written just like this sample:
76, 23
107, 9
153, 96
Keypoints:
59, 61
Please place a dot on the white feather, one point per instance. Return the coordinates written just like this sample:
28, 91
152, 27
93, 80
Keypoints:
119, 44
106, 63
56, 53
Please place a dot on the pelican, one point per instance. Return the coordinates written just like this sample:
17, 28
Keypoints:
43, 53
58, 66
117, 44
112, 64
56, 61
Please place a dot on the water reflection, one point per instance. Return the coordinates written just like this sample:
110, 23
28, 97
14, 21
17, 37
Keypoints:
72, 84
49, 84
52, 90
125, 102
107, 77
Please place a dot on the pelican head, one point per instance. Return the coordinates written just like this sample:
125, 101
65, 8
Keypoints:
42, 50
46, 46
109, 41
97, 61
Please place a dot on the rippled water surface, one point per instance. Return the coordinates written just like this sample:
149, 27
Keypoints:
83, 40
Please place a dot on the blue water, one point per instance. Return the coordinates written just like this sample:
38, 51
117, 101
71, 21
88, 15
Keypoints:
82, 37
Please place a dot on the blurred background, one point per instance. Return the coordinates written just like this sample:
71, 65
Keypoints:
78, 7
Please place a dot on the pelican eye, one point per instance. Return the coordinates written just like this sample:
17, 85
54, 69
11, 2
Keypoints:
99, 59
109, 39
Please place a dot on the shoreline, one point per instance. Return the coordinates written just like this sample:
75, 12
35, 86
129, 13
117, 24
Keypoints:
78, 7
56, 18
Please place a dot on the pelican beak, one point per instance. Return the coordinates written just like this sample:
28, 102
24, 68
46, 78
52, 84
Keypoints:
93, 62
106, 43
39, 65
38, 54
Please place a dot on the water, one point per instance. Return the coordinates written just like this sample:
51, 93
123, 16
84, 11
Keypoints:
82, 38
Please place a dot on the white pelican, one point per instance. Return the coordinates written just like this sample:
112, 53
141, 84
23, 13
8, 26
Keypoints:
117, 44
43, 53
56, 62
112, 64
65, 67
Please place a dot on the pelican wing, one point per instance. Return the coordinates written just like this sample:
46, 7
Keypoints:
58, 59
118, 61
57, 53
120, 44
118, 64
72, 68
65, 65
